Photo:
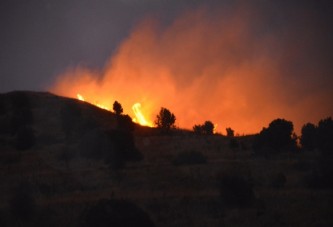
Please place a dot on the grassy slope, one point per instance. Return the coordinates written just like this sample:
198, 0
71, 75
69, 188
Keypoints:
64, 183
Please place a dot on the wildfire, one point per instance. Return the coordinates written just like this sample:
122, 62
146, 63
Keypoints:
139, 117
80, 97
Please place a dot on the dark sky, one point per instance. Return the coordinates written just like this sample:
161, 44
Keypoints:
41, 38
261, 58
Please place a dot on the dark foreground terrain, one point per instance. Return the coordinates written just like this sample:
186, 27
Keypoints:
67, 163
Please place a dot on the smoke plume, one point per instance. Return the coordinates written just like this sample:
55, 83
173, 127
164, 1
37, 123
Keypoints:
240, 68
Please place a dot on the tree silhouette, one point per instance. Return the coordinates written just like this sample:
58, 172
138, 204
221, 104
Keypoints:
207, 128
117, 108
308, 137
230, 132
325, 135
165, 120
277, 137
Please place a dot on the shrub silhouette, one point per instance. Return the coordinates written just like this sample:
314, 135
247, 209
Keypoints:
324, 136
308, 137
25, 138
318, 137
117, 108
207, 128
277, 137
189, 158
230, 132
165, 120
236, 192
116, 213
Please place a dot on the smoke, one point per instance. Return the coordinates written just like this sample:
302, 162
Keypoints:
239, 68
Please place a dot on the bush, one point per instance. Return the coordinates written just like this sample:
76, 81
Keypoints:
206, 128
236, 192
116, 213
277, 137
189, 158
230, 132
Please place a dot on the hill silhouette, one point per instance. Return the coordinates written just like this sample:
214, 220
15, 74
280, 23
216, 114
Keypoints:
68, 163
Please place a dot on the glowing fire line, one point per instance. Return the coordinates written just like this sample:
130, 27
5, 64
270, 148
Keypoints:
139, 117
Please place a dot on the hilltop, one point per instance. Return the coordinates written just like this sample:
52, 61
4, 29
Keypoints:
65, 162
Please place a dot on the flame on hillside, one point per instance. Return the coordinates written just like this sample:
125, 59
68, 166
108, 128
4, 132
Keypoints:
81, 98
139, 116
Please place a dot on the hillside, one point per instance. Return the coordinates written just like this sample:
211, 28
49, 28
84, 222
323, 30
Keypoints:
67, 163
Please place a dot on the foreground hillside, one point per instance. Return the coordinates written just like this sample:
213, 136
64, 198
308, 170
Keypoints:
59, 167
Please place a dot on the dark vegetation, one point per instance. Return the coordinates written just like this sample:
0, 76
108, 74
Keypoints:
117, 108
207, 128
67, 163
278, 137
165, 120
230, 132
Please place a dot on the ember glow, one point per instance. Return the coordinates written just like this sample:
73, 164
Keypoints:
205, 66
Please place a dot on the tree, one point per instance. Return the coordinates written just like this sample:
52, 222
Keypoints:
165, 119
206, 128
117, 108
230, 132
277, 137
308, 137
325, 135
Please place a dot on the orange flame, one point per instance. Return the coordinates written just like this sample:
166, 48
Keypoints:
139, 116
81, 98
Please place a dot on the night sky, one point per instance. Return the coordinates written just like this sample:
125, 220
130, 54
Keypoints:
243, 61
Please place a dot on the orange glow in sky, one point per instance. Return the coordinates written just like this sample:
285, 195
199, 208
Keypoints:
201, 68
